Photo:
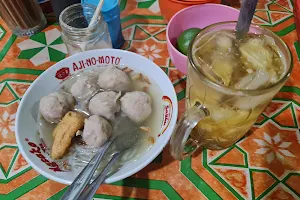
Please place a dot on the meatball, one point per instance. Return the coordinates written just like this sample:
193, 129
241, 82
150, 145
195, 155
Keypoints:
84, 87
54, 106
96, 131
136, 105
114, 79
105, 104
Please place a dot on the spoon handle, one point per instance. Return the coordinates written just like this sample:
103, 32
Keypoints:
245, 18
86, 174
91, 189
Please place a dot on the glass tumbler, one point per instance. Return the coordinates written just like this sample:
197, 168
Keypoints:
218, 116
23, 17
76, 32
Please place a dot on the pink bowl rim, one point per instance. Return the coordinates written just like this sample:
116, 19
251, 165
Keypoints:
183, 10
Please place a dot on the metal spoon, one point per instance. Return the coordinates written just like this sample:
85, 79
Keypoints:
123, 143
125, 137
245, 17
86, 174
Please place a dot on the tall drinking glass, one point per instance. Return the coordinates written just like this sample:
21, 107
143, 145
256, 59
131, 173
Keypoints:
216, 115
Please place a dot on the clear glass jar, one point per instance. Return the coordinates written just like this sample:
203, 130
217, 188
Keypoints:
24, 17
78, 37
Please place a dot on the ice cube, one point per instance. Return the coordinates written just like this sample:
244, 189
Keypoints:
229, 34
218, 114
250, 71
274, 77
224, 43
242, 84
254, 80
251, 102
238, 118
207, 127
206, 46
207, 70
269, 40
256, 54
260, 79
223, 68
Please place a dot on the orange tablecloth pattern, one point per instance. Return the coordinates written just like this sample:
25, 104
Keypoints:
263, 165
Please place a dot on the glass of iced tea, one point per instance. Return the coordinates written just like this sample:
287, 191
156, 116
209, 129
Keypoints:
229, 83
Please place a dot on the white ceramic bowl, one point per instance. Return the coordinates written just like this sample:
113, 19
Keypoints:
26, 132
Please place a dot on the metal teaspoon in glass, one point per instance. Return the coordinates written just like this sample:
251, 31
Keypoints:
245, 17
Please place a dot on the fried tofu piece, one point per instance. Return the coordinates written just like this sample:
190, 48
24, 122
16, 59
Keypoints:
64, 132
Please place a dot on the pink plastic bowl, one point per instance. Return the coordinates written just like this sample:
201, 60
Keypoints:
198, 16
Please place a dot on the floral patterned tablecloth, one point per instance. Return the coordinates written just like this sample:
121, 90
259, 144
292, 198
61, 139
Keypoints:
263, 165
